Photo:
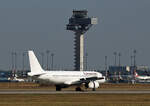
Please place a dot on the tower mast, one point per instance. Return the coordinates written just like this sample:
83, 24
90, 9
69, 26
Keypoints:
80, 23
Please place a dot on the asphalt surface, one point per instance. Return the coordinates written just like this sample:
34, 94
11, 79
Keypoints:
74, 92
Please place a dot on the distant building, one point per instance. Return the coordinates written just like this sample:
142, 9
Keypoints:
143, 68
123, 70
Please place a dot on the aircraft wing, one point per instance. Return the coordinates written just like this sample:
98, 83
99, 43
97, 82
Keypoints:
70, 82
82, 80
85, 80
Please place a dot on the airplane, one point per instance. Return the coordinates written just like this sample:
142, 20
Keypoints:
141, 77
64, 79
16, 79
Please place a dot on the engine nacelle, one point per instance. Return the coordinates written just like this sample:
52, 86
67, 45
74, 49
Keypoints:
93, 84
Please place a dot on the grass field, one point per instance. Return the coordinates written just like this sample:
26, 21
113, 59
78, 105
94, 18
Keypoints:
76, 100
105, 86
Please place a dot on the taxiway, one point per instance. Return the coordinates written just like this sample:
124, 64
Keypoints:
74, 92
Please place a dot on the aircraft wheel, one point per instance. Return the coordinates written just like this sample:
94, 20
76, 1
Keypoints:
78, 89
93, 89
58, 88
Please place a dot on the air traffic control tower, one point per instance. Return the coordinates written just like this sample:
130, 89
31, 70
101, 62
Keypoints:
80, 23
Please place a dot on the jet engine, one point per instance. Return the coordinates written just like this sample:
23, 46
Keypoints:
92, 84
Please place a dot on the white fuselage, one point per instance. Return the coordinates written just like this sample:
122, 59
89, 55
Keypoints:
67, 77
143, 77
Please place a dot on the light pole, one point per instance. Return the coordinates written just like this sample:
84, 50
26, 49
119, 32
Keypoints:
42, 59
52, 63
23, 61
106, 66
119, 58
134, 57
131, 60
15, 54
115, 54
47, 52
12, 58
134, 67
13, 64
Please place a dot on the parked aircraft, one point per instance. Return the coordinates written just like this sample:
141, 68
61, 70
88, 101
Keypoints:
145, 77
16, 79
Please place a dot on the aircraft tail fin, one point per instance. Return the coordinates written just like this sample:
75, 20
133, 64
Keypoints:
136, 74
35, 66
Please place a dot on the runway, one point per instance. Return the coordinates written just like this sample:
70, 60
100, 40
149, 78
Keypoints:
74, 92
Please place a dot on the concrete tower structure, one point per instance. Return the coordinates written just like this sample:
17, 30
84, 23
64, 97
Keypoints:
80, 23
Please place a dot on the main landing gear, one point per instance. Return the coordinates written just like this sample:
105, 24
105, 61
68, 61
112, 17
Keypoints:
78, 89
93, 89
58, 88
